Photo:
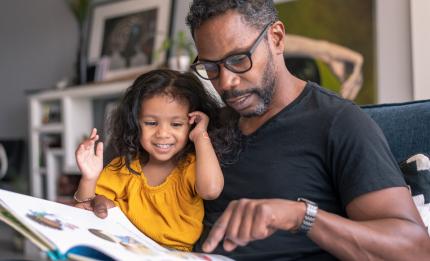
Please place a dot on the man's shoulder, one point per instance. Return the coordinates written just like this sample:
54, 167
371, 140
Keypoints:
324, 98
317, 104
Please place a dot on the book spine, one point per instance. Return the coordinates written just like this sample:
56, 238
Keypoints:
55, 255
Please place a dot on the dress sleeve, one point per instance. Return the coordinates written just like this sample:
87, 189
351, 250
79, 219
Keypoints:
189, 177
112, 182
359, 155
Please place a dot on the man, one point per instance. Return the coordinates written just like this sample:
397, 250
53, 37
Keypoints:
315, 178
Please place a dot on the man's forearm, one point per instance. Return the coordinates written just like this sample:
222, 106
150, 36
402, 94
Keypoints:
384, 239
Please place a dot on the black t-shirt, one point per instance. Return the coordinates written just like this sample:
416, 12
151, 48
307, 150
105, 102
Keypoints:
320, 147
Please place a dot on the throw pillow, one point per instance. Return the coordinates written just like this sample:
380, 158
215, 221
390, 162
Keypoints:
423, 209
416, 171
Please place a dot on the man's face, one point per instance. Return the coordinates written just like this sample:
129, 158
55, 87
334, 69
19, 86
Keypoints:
249, 93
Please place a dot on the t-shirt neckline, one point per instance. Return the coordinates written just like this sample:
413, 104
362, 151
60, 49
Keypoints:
287, 108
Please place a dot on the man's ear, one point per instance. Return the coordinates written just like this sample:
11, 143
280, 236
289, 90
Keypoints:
277, 33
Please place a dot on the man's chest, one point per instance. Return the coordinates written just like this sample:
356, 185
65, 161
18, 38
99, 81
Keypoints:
276, 173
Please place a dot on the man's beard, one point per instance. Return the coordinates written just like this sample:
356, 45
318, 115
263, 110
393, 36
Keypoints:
264, 93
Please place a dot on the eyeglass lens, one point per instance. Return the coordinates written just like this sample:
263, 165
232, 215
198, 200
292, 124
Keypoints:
237, 63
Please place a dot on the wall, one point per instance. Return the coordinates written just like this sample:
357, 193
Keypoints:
420, 10
38, 42
394, 62
182, 7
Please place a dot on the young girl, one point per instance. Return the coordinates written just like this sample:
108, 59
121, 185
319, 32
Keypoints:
166, 162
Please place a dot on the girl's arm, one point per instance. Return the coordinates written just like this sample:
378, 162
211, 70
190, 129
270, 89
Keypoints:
90, 162
209, 178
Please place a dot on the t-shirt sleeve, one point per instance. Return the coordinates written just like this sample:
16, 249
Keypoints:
360, 157
112, 183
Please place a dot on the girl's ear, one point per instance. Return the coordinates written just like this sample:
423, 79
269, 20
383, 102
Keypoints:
277, 36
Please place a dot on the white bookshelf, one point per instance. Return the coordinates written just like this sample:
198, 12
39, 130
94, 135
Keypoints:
72, 121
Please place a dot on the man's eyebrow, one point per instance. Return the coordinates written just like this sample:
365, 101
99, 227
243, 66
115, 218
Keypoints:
230, 53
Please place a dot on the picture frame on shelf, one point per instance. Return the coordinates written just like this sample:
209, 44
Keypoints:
51, 112
125, 36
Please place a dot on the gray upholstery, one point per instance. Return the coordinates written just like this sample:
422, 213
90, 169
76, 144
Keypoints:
405, 125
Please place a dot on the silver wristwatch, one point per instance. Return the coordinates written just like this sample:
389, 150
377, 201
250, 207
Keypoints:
311, 214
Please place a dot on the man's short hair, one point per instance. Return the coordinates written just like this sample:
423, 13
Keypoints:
256, 13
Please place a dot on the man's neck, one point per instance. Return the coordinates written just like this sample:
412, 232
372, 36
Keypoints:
286, 92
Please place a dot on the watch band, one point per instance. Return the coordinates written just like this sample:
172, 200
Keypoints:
310, 215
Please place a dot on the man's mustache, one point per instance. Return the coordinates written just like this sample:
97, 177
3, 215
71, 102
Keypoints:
230, 94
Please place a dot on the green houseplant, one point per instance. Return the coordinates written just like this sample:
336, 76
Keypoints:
181, 50
80, 9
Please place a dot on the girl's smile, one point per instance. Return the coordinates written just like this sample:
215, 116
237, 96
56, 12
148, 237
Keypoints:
163, 148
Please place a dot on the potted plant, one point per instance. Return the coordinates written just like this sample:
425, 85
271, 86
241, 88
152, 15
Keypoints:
181, 50
80, 9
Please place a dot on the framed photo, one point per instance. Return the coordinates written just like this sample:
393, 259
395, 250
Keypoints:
332, 43
126, 36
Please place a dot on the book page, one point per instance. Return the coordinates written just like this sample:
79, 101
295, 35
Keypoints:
73, 230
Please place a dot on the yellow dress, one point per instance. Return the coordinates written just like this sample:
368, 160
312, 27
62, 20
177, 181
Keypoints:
171, 213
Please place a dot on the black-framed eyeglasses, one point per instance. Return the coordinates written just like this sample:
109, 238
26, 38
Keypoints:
237, 63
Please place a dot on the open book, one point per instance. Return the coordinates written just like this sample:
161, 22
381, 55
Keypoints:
66, 232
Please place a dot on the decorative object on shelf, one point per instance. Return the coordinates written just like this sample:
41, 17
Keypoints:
51, 112
80, 9
181, 50
127, 33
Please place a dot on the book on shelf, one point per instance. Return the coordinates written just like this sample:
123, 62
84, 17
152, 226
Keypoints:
65, 232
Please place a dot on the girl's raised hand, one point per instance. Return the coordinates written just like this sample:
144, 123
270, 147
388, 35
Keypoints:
201, 120
89, 158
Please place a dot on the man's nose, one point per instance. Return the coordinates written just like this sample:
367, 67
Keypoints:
227, 79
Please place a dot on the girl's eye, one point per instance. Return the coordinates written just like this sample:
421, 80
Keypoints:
177, 124
150, 123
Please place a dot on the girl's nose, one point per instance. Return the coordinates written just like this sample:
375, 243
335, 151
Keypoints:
162, 130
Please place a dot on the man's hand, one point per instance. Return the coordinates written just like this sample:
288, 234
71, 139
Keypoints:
246, 220
99, 205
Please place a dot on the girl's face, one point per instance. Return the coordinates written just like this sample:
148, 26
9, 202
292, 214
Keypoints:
165, 128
